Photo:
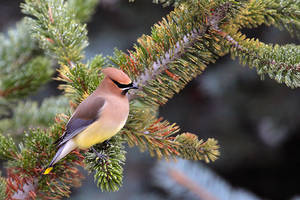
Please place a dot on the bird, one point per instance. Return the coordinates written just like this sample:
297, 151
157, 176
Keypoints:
97, 118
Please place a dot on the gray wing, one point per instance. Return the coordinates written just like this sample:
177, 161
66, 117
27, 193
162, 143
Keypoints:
86, 113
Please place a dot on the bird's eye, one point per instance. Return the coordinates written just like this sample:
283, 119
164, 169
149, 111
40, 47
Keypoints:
122, 86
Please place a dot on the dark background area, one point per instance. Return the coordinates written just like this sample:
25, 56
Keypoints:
257, 123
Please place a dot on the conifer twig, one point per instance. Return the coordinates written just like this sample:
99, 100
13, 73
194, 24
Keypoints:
161, 64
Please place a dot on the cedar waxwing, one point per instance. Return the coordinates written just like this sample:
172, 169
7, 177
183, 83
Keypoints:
99, 117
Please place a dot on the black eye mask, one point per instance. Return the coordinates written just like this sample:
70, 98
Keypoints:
123, 86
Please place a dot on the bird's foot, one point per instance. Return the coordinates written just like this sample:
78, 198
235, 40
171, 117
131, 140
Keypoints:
101, 156
105, 145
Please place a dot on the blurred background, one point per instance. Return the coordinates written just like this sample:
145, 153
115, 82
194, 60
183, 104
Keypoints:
257, 123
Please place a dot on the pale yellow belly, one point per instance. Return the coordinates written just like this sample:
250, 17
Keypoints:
96, 133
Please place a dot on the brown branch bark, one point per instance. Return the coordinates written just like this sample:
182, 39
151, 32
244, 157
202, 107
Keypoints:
5, 93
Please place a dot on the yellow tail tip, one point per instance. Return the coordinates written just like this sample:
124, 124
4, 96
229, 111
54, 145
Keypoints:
48, 170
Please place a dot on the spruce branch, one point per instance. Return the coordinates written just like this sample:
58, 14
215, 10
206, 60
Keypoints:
191, 148
2, 188
83, 9
29, 114
57, 29
158, 137
19, 52
108, 171
178, 50
26, 165
281, 63
175, 3
81, 80
7, 147
280, 13
23, 68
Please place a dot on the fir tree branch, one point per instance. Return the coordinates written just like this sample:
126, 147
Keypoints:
190, 147
83, 9
2, 188
281, 63
7, 148
82, 80
109, 171
26, 165
19, 51
22, 68
158, 137
280, 13
28, 114
178, 50
57, 29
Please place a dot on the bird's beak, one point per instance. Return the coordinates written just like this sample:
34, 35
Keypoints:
134, 87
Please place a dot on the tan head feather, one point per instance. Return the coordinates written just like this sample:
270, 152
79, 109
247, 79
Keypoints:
116, 75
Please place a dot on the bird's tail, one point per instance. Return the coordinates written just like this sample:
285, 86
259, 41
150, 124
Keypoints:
62, 152
48, 170
54, 160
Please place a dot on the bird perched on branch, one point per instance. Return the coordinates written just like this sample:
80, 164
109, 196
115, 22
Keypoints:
99, 117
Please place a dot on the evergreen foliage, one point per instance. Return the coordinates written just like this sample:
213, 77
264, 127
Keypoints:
109, 171
7, 146
2, 188
56, 28
23, 68
279, 13
81, 80
30, 114
281, 63
83, 10
26, 164
179, 48
278, 62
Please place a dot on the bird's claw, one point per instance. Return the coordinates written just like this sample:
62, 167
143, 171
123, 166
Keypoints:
101, 156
